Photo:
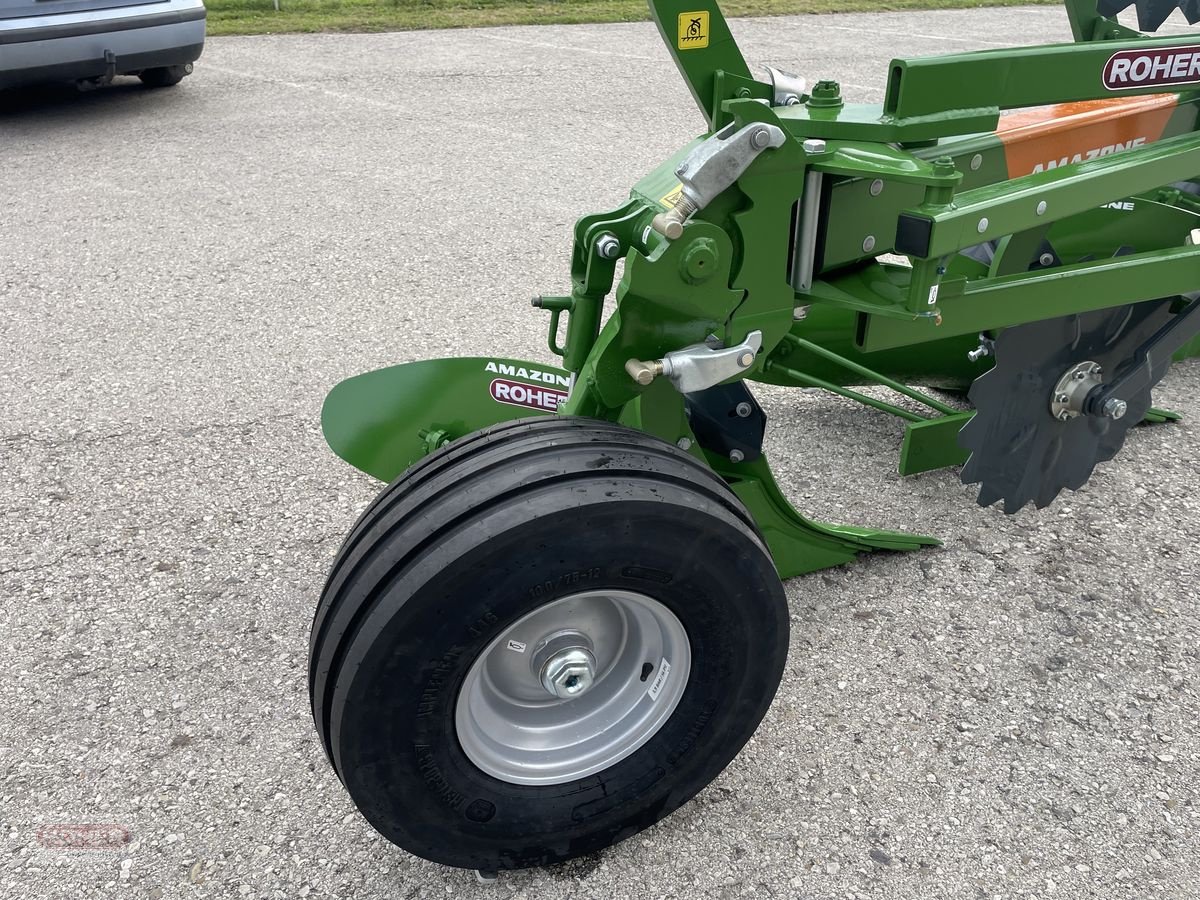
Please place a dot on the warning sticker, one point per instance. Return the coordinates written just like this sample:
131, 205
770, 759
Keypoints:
671, 200
693, 30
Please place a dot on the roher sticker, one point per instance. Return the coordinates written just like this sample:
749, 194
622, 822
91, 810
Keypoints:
693, 30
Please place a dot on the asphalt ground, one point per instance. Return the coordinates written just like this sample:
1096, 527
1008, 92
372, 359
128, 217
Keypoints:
185, 273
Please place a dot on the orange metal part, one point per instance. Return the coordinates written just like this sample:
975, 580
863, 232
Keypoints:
1047, 137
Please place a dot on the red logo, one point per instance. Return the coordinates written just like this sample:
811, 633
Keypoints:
1133, 69
84, 837
514, 393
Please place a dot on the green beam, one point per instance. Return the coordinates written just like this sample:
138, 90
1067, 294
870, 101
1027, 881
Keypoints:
995, 210
701, 44
1045, 294
1015, 78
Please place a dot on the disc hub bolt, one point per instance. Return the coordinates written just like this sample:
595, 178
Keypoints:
1115, 408
569, 673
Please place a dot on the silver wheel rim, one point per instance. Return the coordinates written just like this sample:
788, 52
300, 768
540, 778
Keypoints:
513, 728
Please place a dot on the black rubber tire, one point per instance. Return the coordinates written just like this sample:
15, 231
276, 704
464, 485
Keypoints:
164, 76
477, 535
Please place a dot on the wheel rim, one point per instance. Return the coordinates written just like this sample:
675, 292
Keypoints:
511, 726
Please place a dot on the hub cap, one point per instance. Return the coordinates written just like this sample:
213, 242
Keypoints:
573, 687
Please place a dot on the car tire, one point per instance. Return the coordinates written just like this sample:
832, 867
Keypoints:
164, 76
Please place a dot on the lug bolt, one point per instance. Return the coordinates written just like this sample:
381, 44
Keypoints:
744, 409
1115, 408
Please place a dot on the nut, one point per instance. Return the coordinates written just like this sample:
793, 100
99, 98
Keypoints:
569, 673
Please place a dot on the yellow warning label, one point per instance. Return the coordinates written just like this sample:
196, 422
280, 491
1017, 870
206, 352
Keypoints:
693, 30
671, 200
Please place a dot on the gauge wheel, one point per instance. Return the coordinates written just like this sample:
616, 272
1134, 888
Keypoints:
542, 639
164, 76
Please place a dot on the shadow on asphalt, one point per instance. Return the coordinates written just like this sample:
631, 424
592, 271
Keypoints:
38, 100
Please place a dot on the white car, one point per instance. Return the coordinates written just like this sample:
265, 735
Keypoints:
91, 41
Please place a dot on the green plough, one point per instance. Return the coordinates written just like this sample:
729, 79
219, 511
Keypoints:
563, 617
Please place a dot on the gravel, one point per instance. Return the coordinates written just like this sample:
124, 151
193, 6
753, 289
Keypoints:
185, 273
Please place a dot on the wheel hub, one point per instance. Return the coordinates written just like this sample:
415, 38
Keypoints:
567, 672
1070, 393
1035, 432
573, 687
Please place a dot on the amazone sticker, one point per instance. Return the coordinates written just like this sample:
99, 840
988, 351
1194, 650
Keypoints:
528, 373
1094, 153
1133, 69
693, 30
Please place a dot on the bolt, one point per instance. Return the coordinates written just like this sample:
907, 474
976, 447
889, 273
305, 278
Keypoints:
1063, 398
643, 372
943, 166
1041, 208
814, 145
684, 443
608, 246
745, 360
1115, 408
1080, 375
983, 225
976, 162
791, 100
744, 409
876, 187
978, 353
1046, 259
736, 456
569, 672
869, 243
1063, 416
760, 139
800, 313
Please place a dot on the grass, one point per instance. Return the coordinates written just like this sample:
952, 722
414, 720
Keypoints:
260, 17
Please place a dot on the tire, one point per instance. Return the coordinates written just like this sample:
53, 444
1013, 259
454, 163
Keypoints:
164, 76
530, 525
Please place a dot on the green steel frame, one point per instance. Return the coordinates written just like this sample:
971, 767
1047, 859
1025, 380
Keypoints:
923, 177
